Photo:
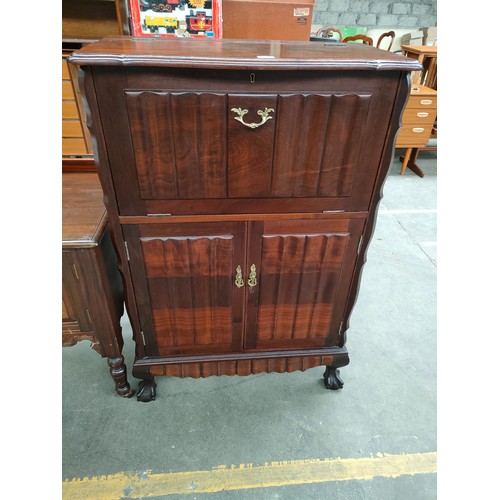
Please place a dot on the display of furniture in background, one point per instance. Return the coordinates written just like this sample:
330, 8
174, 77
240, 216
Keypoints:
329, 32
92, 301
356, 38
76, 142
426, 55
83, 21
267, 19
418, 126
388, 34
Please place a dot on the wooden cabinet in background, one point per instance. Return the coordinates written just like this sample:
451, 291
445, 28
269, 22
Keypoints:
76, 141
241, 180
83, 21
418, 122
92, 290
267, 19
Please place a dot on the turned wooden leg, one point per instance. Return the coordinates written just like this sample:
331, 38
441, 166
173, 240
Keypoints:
147, 386
118, 371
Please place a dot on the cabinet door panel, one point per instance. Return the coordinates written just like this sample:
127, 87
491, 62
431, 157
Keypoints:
303, 275
251, 148
184, 280
318, 144
179, 143
173, 138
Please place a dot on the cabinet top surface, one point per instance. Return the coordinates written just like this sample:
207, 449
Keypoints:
239, 54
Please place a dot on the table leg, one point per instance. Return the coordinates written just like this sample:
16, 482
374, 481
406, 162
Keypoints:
409, 160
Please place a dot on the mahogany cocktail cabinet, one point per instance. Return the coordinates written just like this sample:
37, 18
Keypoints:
241, 180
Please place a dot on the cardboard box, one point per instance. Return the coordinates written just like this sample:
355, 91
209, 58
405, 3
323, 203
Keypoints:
267, 20
430, 35
412, 38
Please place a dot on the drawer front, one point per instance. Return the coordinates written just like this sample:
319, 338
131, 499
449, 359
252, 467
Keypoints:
74, 146
72, 128
65, 70
314, 136
419, 116
67, 90
413, 135
70, 110
422, 102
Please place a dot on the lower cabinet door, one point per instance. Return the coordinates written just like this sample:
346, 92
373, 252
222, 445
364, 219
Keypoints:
184, 282
220, 287
303, 272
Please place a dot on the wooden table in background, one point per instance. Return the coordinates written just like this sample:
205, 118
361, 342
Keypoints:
92, 289
426, 55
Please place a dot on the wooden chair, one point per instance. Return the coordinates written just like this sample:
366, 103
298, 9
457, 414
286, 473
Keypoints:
328, 32
365, 39
387, 34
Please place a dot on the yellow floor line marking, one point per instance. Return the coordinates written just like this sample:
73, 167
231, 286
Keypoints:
247, 476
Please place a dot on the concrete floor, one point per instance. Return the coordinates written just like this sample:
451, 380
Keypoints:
387, 406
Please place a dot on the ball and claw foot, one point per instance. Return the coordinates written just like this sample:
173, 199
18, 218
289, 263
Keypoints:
147, 391
332, 378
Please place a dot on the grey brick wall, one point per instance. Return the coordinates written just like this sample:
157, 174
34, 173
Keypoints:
376, 13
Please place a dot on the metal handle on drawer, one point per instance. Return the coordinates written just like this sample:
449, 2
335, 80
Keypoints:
252, 278
426, 102
239, 278
242, 112
418, 130
423, 114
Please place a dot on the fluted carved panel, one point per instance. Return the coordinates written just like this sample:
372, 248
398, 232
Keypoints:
190, 290
179, 142
242, 367
318, 143
298, 284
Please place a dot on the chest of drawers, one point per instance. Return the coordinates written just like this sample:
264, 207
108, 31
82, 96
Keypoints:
241, 180
418, 117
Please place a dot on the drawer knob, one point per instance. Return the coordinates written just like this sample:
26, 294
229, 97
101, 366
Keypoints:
422, 114
418, 130
426, 102
263, 113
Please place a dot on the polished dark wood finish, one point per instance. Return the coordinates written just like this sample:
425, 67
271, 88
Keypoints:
255, 55
92, 287
241, 181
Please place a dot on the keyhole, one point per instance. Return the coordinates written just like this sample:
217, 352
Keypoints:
252, 77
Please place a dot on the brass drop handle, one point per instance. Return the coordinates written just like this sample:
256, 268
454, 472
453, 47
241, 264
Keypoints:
242, 112
252, 278
239, 278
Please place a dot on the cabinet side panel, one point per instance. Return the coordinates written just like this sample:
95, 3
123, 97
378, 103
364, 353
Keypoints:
179, 142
